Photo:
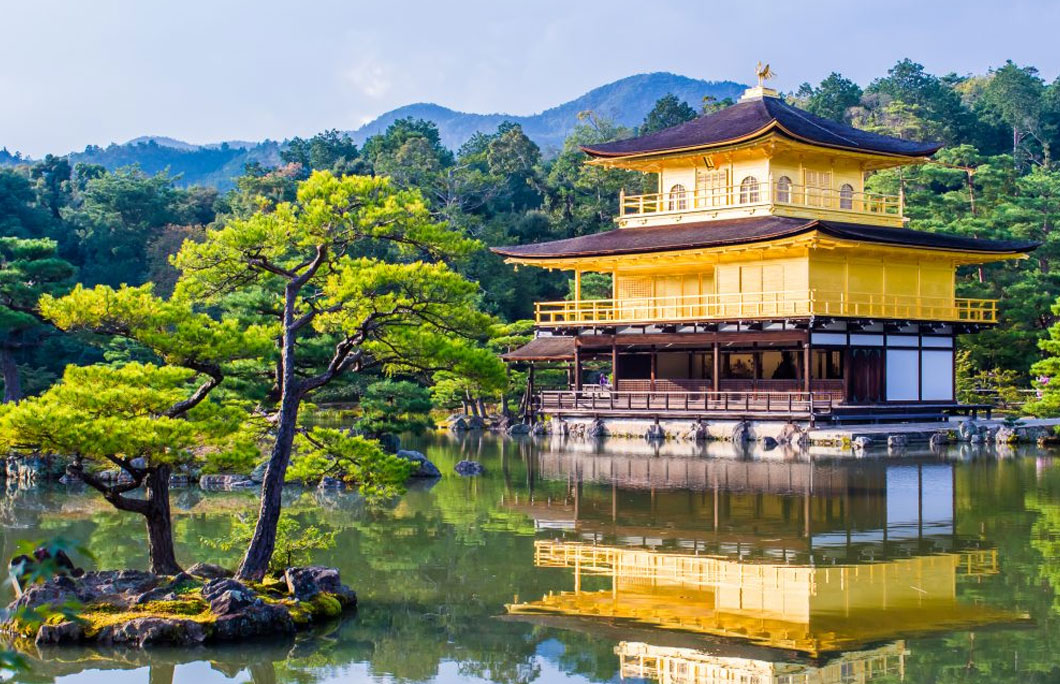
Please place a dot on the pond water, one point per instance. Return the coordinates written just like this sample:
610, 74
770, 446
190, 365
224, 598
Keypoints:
572, 561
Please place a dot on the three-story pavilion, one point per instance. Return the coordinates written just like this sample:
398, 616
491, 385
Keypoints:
761, 278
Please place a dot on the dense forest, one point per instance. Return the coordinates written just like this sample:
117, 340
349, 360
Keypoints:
65, 221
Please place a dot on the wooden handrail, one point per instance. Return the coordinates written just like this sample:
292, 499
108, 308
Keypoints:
765, 305
797, 402
763, 192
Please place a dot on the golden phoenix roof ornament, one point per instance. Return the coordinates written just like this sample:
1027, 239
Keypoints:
763, 73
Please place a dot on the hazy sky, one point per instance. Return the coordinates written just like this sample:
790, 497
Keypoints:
98, 71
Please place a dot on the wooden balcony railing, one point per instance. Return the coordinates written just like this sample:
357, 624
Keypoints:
806, 404
752, 305
761, 194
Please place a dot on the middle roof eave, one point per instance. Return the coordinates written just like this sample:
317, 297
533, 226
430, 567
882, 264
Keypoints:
705, 234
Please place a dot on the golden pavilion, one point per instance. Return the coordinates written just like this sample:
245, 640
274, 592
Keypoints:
760, 280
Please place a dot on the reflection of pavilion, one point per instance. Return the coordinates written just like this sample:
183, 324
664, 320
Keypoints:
783, 511
670, 665
812, 610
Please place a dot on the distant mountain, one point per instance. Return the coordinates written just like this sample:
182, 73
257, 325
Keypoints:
625, 101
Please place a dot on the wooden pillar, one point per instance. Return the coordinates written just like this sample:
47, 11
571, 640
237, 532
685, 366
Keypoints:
654, 361
614, 364
716, 371
807, 365
577, 369
577, 285
530, 395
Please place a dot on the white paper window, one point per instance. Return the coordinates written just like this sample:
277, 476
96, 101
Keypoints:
903, 375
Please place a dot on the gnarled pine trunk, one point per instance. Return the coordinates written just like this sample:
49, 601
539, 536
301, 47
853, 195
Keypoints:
163, 557
263, 542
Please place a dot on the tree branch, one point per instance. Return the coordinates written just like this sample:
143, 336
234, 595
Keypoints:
112, 493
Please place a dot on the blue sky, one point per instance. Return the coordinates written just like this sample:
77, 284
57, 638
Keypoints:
99, 71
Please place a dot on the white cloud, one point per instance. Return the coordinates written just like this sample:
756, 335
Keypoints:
371, 77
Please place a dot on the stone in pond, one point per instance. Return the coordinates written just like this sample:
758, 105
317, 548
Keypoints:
469, 468
425, 467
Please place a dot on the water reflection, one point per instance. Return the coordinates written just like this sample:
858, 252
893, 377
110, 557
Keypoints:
576, 561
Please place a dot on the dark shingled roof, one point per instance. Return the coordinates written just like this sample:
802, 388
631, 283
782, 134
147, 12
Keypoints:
751, 117
556, 348
748, 230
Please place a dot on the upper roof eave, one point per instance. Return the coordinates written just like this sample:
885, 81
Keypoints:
749, 119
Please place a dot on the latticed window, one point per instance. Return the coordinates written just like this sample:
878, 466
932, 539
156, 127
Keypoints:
846, 196
712, 185
634, 288
784, 189
749, 190
818, 184
678, 198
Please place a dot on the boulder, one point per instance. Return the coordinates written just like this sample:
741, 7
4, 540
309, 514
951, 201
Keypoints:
469, 468
214, 588
225, 483
305, 583
458, 425
768, 443
794, 435
257, 619
517, 429
232, 601
150, 631
655, 432
167, 591
861, 443
67, 632
967, 429
697, 432
576, 430
740, 432
597, 428
938, 439
208, 571
424, 468
896, 441
539, 430
1006, 435
475, 423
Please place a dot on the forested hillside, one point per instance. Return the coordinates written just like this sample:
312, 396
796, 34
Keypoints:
996, 178
625, 102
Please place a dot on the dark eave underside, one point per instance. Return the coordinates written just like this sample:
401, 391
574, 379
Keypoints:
746, 119
705, 234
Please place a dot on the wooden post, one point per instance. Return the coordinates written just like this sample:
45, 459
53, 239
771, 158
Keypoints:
577, 285
530, 395
807, 364
614, 365
577, 369
716, 371
654, 361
